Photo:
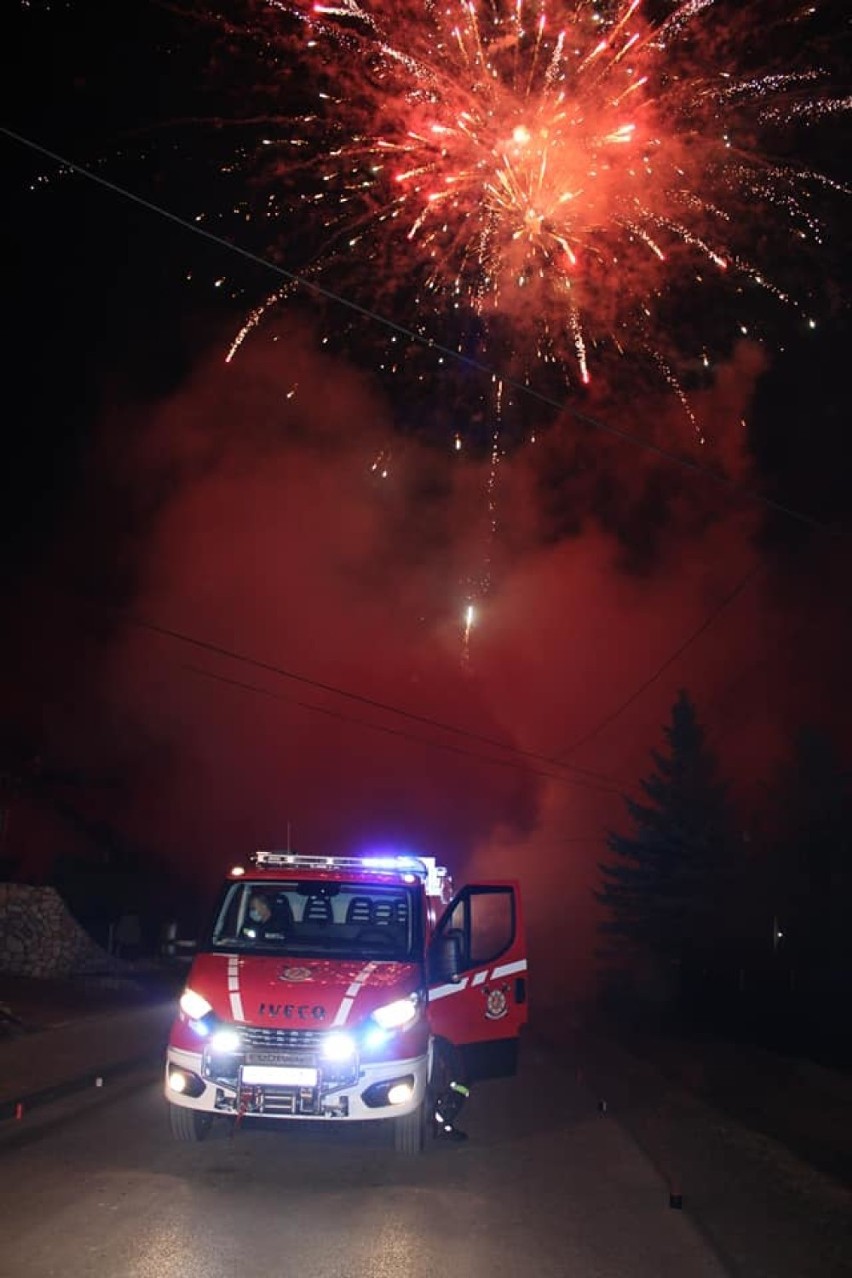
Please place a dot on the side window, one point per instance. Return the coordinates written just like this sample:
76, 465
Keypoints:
456, 923
492, 924
483, 920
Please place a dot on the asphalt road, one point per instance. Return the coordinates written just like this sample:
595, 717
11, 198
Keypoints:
545, 1186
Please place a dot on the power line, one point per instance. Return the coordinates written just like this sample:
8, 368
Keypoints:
705, 625
412, 335
207, 646
664, 665
399, 732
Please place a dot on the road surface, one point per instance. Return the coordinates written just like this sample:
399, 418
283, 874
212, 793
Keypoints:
546, 1186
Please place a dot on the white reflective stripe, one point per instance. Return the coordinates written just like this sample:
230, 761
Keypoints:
479, 978
234, 987
443, 991
342, 1014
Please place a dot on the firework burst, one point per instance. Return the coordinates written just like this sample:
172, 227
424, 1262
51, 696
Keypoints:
564, 173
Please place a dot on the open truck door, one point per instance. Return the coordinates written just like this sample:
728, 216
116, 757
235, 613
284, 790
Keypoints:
478, 976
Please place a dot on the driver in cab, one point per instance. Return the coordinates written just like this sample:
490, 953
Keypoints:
261, 923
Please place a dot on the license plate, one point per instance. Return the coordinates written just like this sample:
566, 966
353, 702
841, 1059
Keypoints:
276, 1058
279, 1075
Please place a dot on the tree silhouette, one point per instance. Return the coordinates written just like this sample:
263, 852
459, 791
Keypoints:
668, 891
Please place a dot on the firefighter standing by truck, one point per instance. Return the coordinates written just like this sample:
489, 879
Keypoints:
451, 1094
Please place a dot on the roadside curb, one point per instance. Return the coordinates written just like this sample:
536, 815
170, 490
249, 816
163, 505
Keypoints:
16, 1109
82, 1055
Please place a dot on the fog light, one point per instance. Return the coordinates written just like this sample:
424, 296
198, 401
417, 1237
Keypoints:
185, 1083
391, 1091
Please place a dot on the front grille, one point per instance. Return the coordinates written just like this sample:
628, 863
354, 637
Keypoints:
274, 1046
276, 1040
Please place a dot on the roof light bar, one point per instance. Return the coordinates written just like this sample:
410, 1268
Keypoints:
436, 877
298, 860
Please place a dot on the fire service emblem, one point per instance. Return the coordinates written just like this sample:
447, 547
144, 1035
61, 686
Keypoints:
496, 1004
295, 974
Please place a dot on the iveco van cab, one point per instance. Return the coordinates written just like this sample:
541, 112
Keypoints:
329, 989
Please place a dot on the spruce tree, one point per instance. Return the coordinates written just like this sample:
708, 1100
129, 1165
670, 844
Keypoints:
667, 891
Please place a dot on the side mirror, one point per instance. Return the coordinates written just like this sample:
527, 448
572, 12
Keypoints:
445, 957
184, 950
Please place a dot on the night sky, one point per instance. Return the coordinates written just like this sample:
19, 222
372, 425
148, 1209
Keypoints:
148, 486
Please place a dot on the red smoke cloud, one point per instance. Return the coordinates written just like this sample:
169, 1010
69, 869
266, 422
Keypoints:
267, 533
278, 541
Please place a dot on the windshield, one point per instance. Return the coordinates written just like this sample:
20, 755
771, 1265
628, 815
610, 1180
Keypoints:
318, 919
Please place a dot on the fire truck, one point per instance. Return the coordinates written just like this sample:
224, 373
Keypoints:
339, 988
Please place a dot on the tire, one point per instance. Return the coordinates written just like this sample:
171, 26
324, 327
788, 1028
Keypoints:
189, 1124
409, 1132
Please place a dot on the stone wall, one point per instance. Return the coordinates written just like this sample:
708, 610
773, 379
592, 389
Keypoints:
38, 936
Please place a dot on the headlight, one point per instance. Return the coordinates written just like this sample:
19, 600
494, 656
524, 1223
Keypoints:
399, 1014
338, 1047
193, 1005
226, 1040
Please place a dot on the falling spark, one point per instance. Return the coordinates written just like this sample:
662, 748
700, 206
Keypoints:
469, 619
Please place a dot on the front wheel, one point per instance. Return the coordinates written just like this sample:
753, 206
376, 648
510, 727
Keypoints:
409, 1132
189, 1124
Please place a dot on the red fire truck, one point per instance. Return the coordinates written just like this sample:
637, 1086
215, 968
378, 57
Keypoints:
339, 987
